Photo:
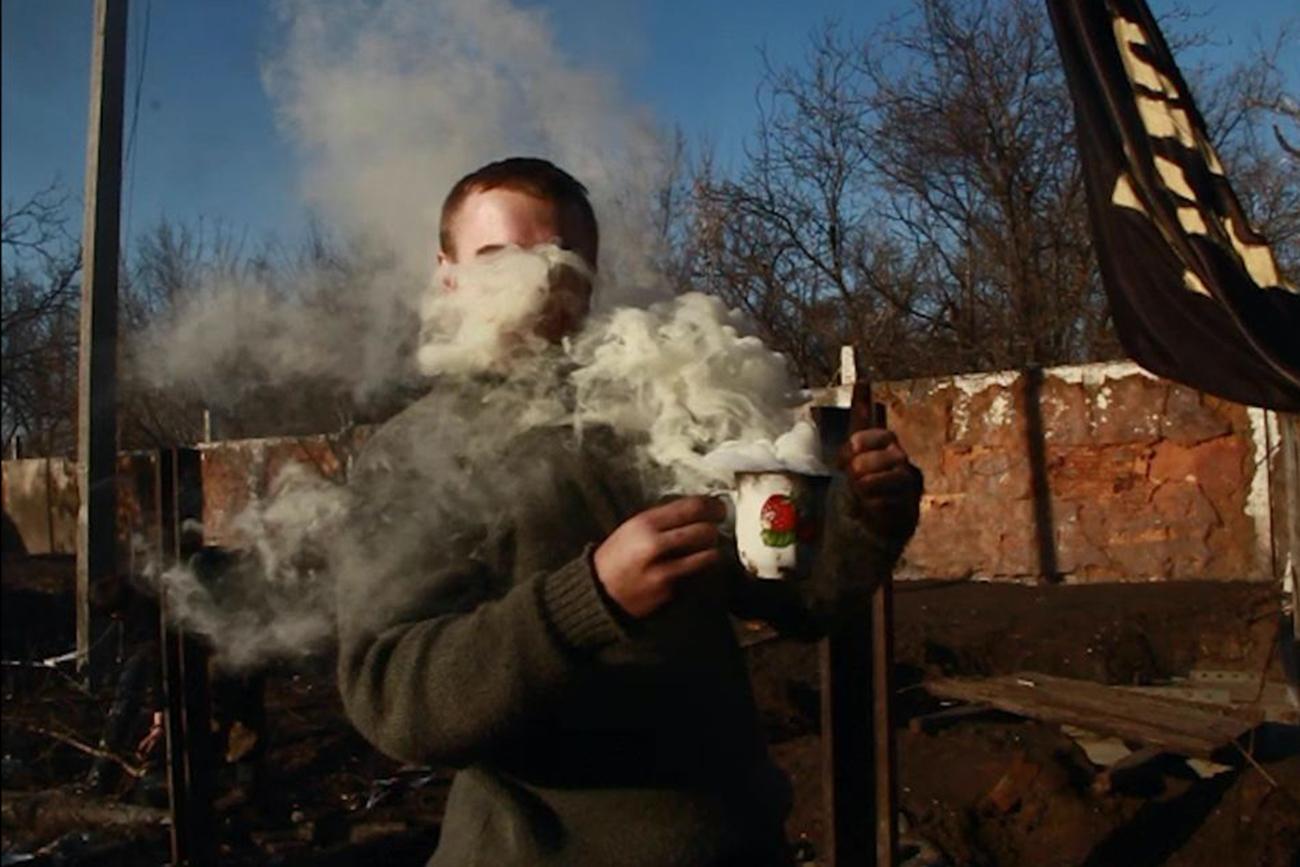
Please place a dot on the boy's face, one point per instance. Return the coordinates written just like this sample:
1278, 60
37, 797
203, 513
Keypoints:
489, 220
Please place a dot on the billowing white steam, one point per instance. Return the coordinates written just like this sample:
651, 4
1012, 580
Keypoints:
683, 373
390, 102
680, 378
481, 312
798, 450
387, 103
233, 332
276, 601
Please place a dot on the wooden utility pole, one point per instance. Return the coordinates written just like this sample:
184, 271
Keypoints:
97, 361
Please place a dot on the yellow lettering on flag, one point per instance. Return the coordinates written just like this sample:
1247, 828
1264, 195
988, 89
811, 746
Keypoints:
1192, 282
1124, 196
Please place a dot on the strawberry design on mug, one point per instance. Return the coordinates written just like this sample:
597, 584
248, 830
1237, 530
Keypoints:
779, 520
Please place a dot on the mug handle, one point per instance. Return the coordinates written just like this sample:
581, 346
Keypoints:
727, 526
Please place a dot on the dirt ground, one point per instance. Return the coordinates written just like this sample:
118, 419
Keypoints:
1115, 634
994, 789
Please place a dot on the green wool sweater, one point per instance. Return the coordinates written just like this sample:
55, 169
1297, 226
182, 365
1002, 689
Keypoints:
474, 633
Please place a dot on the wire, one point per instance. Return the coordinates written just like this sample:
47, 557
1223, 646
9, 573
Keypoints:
141, 62
73, 655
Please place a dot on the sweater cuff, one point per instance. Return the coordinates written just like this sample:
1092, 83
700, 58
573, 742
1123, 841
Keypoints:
575, 607
845, 512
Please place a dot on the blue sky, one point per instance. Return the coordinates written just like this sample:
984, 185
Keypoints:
207, 146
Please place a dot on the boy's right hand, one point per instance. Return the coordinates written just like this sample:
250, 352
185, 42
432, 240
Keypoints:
642, 561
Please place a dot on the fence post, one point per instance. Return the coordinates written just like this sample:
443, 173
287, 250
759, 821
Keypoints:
859, 768
186, 688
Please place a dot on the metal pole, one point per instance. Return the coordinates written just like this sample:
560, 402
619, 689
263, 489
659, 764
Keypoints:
186, 686
1290, 426
882, 688
848, 742
97, 355
859, 776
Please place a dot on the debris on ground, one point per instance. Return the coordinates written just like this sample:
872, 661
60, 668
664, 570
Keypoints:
979, 784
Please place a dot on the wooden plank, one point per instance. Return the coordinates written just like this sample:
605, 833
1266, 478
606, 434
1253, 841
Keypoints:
1181, 729
1143, 708
932, 722
1189, 694
1034, 704
97, 350
1269, 704
1219, 677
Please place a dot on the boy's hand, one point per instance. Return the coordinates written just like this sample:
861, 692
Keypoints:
641, 561
886, 487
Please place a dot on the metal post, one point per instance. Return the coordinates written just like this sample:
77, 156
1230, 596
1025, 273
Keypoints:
859, 776
882, 690
97, 354
848, 741
1049, 570
1290, 427
190, 759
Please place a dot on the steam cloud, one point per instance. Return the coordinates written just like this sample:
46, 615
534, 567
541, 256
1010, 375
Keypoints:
390, 104
277, 600
684, 372
482, 312
387, 104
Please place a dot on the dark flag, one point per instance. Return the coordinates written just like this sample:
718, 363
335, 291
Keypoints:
1194, 290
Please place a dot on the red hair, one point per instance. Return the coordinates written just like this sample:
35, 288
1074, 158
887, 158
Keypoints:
535, 177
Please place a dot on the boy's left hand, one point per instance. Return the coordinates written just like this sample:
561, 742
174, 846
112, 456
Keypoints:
885, 484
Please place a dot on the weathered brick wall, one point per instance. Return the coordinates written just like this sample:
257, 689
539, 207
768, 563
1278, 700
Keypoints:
41, 499
40, 505
1144, 479
238, 473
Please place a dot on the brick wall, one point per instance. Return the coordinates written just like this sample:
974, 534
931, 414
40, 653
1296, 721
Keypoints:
1138, 478
1132, 479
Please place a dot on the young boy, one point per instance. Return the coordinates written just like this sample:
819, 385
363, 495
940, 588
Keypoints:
521, 613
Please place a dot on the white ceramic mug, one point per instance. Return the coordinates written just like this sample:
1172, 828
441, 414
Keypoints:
779, 518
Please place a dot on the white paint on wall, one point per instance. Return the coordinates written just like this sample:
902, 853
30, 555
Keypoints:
971, 384
967, 386
999, 412
960, 418
1259, 508
1098, 373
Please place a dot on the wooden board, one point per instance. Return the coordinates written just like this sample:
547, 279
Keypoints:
1254, 702
1171, 725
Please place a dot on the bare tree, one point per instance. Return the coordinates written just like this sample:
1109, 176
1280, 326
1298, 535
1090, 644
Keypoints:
1256, 124
172, 267
39, 299
914, 193
918, 193
786, 239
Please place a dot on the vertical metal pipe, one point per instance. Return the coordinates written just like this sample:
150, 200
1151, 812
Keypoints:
859, 787
190, 757
882, 686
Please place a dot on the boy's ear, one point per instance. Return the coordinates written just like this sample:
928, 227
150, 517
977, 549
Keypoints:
443, 274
